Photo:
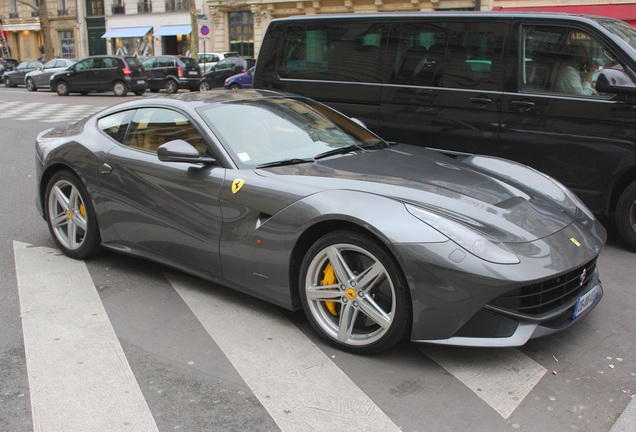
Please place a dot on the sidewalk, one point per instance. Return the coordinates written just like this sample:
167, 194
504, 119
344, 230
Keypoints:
627, 421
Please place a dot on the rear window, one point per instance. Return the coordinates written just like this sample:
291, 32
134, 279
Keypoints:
133, 61
189, 62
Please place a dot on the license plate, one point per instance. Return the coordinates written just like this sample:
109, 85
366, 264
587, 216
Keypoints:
141, 81
585, 302
193, 73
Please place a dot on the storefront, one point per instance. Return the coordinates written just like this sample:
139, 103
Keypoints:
175, 39
129, 41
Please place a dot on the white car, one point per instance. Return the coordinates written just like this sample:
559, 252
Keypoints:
209, 59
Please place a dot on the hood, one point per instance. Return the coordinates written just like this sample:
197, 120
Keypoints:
505, 209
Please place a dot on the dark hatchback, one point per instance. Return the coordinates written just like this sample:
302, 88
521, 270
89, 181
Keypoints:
101, 74
227, 67
171, 72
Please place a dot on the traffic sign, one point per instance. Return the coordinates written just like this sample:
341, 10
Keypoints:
205, 29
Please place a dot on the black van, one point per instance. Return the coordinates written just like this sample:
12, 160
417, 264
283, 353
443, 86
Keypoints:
553, 91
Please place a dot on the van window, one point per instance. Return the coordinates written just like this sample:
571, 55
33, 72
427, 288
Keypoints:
563, 60
342, 51
455, 55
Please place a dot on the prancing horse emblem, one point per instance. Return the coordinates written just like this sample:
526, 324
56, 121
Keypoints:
237, 185
582, 278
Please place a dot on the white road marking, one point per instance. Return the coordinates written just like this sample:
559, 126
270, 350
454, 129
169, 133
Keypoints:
79, 377
502, 377
300, 387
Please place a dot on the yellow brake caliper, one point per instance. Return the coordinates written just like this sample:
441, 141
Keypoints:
83, 211
329, 278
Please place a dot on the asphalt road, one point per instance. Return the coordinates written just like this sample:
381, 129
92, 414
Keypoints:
163, 351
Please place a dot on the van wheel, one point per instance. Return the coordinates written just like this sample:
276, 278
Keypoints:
171, 87
119, 88
626, 216
62, 88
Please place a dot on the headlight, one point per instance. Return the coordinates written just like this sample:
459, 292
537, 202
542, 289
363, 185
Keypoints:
476, 243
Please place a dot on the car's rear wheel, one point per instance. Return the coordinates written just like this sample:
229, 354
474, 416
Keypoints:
354, 294
119, 88
30, 85
70, 216
171, 87
62, 88
234, 86
204, 86
7, 82
626, 215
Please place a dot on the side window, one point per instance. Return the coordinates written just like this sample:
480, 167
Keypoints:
456, 55
109, 62
165, 62
148, 63
562, 60
343, 51
115, 125
152, 127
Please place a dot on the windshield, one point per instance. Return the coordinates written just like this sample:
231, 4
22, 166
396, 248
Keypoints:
622, 30
266, 131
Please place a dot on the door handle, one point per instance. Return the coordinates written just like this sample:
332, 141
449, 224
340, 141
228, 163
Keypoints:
523, 105
481, 100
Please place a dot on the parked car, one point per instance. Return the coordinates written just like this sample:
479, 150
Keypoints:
171, 72
209, 59
240, 81
227, 67
15, 77
41, 78
7, 64
102, 73
307, 209
477, 83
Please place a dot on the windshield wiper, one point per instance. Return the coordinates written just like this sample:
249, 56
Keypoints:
341, 150
284, 162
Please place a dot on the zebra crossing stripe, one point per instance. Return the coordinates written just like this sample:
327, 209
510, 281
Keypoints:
79, 377
300, 387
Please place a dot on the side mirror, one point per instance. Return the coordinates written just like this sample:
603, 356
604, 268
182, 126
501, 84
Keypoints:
615, 81
181, 151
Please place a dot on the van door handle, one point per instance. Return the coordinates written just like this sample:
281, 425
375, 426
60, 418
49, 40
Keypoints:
523, 105
481, 100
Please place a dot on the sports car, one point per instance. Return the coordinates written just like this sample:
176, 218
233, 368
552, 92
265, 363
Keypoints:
280, 197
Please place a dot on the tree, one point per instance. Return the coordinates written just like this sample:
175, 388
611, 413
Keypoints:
45, 25
194, 36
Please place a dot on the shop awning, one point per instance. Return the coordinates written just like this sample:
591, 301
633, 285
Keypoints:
173, 30
126, 32
625, 12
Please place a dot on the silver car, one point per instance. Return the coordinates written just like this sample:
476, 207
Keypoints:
281, 197
39, 79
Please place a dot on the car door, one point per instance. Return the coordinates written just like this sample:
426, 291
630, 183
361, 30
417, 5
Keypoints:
150, 66
170, 210
444, 88
586, 141
83, 76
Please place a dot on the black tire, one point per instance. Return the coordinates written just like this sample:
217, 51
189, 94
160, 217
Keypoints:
376, 309
204, 86
30, 85
139, 92
70, 216
7, 82
120, 89
235, 87
171, 86
62, 88
626, 216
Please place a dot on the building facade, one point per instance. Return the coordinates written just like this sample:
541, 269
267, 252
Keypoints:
147, 27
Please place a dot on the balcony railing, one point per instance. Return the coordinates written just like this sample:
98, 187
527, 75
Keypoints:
119, 9
62, 12
144, 7
177, 5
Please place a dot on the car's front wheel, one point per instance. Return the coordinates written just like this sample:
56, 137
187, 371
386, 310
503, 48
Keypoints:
30, 85
626, 215
204, 86
119, 88
62, 88
234, 86
171, 86
354, 294
70, 216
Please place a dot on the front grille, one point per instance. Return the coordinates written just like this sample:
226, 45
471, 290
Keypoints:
546, 296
